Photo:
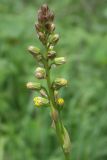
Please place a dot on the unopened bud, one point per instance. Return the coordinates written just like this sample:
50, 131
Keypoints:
51, 16
59, 82
56, 94
59, 60
54, 38
39, 101
44, 8
51, 47
43, 93
45, 15
51, 54
33, 85
50, 27
41, 37
40, 73
34, 50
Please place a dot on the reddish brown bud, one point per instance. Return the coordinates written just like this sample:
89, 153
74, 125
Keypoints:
40, 18
50, 27
45, 15
44, 8
51, 15
41, 37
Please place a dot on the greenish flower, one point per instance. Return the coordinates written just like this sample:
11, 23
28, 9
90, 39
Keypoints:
60, 82
33, 85
40, 73
53, 39
35, 52
59, 60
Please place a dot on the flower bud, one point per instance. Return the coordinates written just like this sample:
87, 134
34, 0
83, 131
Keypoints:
41, 37
59, 60
33, 85
60, 101
39, 101
44, 8
40, 73
56, 94
45, 15
51, 47
43, 93
51, 54
59, 82
50, 27
51, 16
34, 50
53, 39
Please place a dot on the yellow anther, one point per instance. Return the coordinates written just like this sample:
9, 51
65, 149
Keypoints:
37, 101
60, 101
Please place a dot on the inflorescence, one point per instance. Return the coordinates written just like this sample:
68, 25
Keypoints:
49, 96
46, 33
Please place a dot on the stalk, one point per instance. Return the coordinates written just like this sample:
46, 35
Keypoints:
57, 121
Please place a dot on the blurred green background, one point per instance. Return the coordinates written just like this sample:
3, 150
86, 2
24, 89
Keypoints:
25, 132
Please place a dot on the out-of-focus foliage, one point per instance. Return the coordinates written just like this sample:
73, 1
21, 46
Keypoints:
25, 132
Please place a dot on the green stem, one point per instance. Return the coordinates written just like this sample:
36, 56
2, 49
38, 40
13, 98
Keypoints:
57, 122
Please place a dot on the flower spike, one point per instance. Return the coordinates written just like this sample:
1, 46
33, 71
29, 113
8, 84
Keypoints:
45, 29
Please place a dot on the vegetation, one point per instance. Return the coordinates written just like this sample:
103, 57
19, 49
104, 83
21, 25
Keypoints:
25, 132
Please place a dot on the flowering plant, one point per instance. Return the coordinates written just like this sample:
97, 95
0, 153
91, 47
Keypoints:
49, 96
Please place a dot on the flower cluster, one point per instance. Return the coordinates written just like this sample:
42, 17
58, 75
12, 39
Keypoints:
49, 95
46, 33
